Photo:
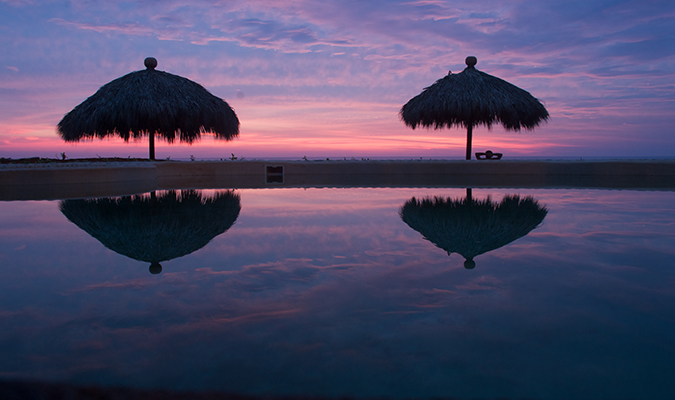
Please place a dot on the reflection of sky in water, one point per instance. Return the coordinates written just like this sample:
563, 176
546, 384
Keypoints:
328, 292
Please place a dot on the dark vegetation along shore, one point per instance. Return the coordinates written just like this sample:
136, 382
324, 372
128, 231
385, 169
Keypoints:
41, 160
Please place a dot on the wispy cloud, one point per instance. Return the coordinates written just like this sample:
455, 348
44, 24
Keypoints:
127, 29
19, 3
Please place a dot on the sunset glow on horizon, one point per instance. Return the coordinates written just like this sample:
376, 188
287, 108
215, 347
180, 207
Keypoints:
328, 80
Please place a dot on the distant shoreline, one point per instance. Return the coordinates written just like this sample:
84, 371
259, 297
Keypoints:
60, 161
102, 177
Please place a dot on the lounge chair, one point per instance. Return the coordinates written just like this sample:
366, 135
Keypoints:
488, 155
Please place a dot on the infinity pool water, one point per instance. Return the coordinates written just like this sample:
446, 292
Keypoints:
331, 292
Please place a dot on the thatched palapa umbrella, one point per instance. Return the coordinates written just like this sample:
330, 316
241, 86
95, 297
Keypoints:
472, 98
155, 228
472, 227
149, 103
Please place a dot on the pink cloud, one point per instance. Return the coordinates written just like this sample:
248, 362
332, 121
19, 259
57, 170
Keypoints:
127, 29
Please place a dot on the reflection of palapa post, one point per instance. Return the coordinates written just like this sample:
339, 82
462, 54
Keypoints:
472, 227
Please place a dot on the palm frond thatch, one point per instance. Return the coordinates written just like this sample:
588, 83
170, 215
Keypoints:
472, 227
473, 97
148, 103
155, 228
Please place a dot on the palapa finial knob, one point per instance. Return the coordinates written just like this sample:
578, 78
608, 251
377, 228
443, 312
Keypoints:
150, 63
155, 268
471, 61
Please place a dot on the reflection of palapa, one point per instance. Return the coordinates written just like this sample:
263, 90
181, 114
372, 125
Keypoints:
155, 228
149, 102
472, 98
472, 227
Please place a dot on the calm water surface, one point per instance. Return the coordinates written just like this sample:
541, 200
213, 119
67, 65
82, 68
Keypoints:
329, 292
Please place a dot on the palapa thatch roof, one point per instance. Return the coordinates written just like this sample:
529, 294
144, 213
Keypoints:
472, 98
471, 227
155, 228
150, 102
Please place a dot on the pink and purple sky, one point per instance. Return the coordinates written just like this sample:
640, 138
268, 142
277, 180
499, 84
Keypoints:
327, 79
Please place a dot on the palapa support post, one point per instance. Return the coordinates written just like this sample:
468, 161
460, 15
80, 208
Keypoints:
152, 145
469, 133
150, 65
470, 62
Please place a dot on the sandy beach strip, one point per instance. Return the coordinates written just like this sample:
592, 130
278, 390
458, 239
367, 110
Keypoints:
93, 179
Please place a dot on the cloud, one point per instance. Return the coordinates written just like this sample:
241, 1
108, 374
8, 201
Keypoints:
126, 29
19, 3
483, 15
275, 34
307, 58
